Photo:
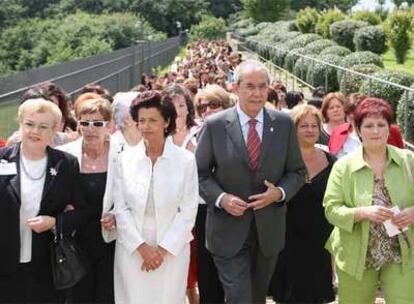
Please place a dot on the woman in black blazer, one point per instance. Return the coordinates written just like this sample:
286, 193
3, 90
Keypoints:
36, 184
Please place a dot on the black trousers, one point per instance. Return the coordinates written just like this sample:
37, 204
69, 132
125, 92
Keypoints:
209, 285
30, 284
97, 286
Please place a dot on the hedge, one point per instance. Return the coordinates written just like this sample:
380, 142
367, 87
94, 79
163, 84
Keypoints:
329, 17
371, 17
301, 66
336, 50
291, 57
388, 92
342, 32
370, 38
358, 58
351, 83
306, 20
302, 41
319, 45
316, 73
282, 36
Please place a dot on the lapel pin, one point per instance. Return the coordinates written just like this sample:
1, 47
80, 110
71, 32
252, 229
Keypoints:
271, 129
53, 172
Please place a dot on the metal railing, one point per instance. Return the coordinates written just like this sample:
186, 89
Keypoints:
116, 71
407, 91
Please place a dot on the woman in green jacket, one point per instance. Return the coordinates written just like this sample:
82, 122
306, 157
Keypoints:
366, 188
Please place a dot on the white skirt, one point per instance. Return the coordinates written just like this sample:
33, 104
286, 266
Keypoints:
167, 284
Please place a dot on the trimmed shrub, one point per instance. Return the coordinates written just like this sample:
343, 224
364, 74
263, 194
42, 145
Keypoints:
400, 114
352, 83
291, 57
370, 38
319, 45
371, 17
279, 55
329, 17
302, 41
210, 28
336, 50
250, 31
244, 23
358, 58
318, 73
301, 66
306, 20
398, 27
285, 36
388, 92
342, 32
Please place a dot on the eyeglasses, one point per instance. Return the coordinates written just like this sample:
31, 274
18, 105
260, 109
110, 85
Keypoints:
212, 104
95, 123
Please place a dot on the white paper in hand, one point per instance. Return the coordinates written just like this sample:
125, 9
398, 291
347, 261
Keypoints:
391, 229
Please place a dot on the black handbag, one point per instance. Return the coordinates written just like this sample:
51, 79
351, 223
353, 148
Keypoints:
68, 263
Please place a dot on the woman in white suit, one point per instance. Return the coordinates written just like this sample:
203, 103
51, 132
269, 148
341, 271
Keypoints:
156, 197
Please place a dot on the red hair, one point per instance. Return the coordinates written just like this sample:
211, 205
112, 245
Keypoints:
372, 106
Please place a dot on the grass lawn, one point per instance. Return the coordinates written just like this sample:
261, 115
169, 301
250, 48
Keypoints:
8, 114
391, 64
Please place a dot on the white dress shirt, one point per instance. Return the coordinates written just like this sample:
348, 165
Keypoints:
244, 123
31, 195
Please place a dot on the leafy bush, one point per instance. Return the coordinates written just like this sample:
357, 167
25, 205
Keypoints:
301, 66
279, 54
365, 57
319, 45
302, 41
293, 56
306, 20
336, 50
370, 38
244, 23
351, 83
402, 110
385, 91
398, 27
210, 28
285, 36
250, 31
342, 32
368, 16
318, 73
327, 18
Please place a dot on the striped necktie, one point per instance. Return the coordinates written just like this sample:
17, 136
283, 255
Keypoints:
253, 145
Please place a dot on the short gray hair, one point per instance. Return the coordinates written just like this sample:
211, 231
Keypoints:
251, 65
120, 107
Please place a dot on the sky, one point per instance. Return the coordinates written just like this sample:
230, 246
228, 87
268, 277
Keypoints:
371, 4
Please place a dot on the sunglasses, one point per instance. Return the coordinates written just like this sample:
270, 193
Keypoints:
212, 104
95, 123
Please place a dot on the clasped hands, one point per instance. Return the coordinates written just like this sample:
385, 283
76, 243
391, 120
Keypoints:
153, 256
236, 206
380, 214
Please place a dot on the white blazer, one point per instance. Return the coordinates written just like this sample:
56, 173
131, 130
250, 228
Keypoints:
115, 147
175, 187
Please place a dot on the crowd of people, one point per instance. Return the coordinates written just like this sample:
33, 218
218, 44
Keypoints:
213, 183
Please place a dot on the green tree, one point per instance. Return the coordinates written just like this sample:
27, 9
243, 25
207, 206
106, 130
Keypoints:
265, 10
163, 15
328, 17
220, 8
343, 5
210, 28
10, 13
398, 27
307, 19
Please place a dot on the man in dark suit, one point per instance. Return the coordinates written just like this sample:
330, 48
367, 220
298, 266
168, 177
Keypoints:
249, 165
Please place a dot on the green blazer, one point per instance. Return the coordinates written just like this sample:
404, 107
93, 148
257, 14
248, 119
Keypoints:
350, 185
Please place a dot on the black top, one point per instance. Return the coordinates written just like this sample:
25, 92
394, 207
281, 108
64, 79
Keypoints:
89, 236
304, 273
324, 137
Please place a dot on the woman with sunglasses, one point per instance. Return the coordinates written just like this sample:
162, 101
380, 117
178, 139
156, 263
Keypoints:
208, 101
95, 153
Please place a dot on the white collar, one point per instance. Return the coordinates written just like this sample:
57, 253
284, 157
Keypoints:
244, 118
